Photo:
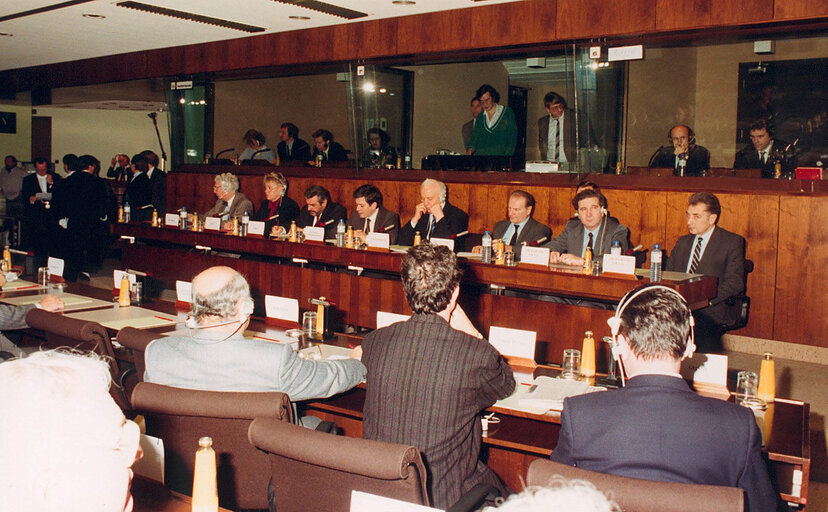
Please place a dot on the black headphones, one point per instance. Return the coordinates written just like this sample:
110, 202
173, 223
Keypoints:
691, 135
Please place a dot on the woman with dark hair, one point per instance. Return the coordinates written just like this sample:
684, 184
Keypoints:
379, 154
495, 131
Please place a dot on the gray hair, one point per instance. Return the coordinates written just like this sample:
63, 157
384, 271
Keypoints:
228, 182
230, 301
429, 182
560, 494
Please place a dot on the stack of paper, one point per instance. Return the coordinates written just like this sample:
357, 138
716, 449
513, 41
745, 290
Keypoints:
548, 393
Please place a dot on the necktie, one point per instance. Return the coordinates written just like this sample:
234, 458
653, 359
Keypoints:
513, 240
430, 226
696, 255
368, 225
557, 131
315, 220
589, 241
763, 155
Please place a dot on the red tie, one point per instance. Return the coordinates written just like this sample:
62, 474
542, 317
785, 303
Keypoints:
315, 220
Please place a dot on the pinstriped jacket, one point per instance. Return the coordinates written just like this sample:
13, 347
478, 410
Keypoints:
426, 385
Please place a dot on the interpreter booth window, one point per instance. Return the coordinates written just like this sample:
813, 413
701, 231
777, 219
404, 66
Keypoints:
380, 100
190, 107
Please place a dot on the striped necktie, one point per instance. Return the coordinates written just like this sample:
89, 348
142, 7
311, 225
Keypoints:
696, 255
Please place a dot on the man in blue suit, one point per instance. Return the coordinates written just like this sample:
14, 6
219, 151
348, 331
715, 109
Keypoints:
657, 428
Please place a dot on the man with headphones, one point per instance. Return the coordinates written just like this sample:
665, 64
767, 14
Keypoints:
763, 152
435, 217
593, 228
292, 148
686, 158
656, 427
216, 356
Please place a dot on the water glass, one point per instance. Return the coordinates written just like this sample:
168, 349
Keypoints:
43, 276
309, 323
747, 383
571, 366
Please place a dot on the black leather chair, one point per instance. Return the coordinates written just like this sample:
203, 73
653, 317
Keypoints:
742, 302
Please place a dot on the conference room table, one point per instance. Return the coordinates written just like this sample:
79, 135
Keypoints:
520, 437
558, 304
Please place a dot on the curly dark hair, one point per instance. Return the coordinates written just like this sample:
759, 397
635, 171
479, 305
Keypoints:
429, 277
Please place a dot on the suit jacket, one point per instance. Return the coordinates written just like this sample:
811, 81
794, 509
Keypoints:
81, 198
466, 130
571, 239
336, 153
698, 160
13, 318
585, 134
531, 231
139, 193
205, 361
36, 213
301, 151
385, 218
724, 257
119, 173
239, 205
748, 158
426, 385
656, 428
158, 188
329, 218
454, 221
287, 211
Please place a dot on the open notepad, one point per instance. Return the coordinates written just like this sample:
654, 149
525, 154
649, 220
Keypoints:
545, 394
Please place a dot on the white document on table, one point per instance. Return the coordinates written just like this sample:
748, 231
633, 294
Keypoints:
130, 316
282, 308
513, 342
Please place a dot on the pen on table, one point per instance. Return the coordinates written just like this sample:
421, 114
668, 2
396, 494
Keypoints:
163, 318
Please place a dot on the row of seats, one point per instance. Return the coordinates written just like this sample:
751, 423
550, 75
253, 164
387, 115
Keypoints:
265, 461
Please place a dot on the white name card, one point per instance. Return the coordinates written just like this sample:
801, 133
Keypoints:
384, 318
513, 342
378, 240
619, 264
117, 275
212, 223
535, 255
55, 266
282, 308
447, 242
314, 234
365, 502
256, 227
171, 219
184, 291
706, 368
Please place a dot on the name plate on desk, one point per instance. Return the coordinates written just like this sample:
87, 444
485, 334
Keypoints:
282, 308
171, 219
314, 234
535, 256
256, 227
117, 275
55, 266
184, 291
448, 242
513, 342
212, 223
378, 240
618, 264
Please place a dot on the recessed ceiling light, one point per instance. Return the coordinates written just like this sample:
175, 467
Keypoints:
94, 16
403, 2
303, 18
6, 34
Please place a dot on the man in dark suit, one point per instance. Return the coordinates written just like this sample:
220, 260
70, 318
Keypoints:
468, 128
319, 210
429, 378
657, 428
370, 217
292, 148
435, 217
763, 152
686, 158
712, 251
556, 131
119, 168
139, 189
520, 228
37, 219
330, 150
158, 183
593, 228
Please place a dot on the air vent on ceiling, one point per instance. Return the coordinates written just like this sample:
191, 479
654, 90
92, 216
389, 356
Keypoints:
325, 8
188, 16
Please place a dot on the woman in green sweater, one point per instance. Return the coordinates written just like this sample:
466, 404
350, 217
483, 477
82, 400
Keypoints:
495, 131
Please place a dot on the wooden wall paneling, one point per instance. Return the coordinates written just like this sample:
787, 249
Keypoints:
801, 311
675, 224
433, 32
642, 211
541, 195
373, 38
509, 465
529, 21
684, 14
559, 209
756, 217
584, 18
792, 9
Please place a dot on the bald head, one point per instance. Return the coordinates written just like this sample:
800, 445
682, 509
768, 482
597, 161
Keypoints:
220, 294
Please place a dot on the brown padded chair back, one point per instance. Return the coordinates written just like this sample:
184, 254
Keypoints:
62, 331
637, 495
136, 340
181, 416
317, 471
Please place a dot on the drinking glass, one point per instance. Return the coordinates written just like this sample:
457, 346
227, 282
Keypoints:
309, 323
571, 366
43, 276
